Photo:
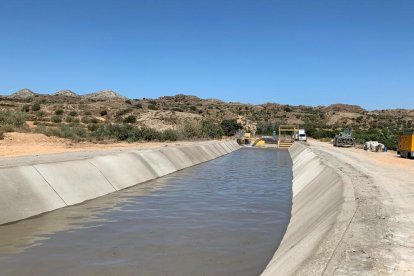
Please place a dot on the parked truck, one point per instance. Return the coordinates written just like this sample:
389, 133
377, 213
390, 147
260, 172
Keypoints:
344, 139
300, 135
406, 144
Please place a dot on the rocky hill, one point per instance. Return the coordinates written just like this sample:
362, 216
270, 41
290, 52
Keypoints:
92, 111
66, 93
23, 94
104, 95
343, 108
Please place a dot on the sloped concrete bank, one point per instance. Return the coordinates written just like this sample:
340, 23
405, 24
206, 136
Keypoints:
322, 207
30, 188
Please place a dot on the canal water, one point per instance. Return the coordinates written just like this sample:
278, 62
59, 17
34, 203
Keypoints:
223, 217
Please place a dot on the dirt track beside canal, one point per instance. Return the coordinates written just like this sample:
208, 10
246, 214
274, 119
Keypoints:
380, 238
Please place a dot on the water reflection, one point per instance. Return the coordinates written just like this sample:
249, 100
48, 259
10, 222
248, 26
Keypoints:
16, 237
224, 217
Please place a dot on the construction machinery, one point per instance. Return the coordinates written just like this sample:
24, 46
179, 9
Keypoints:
406, 144
344, 139
243, 138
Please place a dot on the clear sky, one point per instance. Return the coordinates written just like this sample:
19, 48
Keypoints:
293, 52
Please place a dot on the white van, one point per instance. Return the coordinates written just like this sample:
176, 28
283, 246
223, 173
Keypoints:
302, 135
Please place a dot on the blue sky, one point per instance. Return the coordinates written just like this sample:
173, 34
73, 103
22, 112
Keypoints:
291, 52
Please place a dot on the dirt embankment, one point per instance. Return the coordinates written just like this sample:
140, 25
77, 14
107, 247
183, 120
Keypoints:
20, 144
380, 238
366, 231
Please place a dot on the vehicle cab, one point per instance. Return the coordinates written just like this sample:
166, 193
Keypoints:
302, 135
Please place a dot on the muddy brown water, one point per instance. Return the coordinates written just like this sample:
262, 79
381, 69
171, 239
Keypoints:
223, 217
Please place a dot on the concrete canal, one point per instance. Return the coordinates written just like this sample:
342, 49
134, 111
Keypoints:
223, 217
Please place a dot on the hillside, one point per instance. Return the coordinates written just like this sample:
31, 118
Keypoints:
106, 115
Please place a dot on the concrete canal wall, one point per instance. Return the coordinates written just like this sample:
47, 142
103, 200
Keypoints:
31, 188
322, 206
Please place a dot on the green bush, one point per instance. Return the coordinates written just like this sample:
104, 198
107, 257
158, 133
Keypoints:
36, 106
131, 119
56, 119
93, 127
87, 113
389, 139
169, 135
122, 112
73, 113
76, 133
191, 130
125, 132
230, 127
40, 114
26, 108
73, 120
86, 119
211, 130
59, 112
152, 107
10, 120
48, 131
72, 132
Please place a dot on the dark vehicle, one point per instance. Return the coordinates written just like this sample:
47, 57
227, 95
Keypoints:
344, 139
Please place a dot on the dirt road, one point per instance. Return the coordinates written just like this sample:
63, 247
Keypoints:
28, 144
380, 237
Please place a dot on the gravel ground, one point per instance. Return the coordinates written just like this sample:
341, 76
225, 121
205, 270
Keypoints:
380, 237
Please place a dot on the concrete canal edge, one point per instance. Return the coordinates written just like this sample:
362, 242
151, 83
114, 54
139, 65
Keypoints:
323, 205
31, 189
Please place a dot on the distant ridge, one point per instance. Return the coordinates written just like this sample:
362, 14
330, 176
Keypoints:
107, 94
343, 108
23, 94
66, 93
104, 95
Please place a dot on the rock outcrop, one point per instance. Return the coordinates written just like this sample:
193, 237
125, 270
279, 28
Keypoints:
22, 94
66, 93
104, 95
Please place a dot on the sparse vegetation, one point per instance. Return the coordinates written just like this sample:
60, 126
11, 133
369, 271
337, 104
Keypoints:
59, 112
26, 108
187, 117
86, 119
152, 107
230, 127
131, 119
211, 130
36, 106
56, 119
122, 112
12, 121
